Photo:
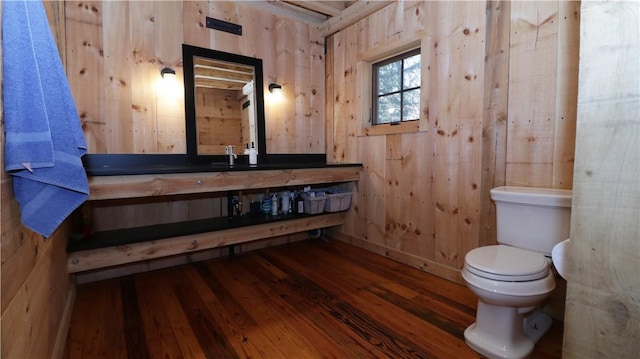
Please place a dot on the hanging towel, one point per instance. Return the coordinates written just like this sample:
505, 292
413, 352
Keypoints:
43, 138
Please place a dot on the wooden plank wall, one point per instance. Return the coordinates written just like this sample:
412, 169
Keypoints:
603, 293
501, 81
116, 50
219, 112
37, 294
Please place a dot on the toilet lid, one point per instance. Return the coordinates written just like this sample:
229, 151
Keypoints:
506, 263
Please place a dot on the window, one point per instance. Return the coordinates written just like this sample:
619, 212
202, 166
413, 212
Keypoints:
396, 89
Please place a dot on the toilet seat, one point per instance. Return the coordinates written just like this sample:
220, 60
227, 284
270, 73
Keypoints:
506, 264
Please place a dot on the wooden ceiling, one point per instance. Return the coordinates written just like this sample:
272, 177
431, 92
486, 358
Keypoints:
326, 8
329, 16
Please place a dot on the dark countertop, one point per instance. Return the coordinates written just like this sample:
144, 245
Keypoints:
135, 164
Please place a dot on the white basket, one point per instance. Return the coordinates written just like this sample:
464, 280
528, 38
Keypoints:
313, 205
337, 202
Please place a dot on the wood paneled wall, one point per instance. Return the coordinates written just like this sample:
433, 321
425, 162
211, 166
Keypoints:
115, 51
36, 291
603, 293
501, 82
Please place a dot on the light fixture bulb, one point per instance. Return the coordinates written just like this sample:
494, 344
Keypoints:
167, 73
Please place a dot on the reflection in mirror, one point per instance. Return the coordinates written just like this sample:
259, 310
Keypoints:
224, 103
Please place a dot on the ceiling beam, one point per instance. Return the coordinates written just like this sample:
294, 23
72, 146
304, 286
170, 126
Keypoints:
349, 16
290, 11
330, 8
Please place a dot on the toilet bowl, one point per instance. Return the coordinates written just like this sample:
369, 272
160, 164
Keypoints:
516, 285
513, 278
504, 275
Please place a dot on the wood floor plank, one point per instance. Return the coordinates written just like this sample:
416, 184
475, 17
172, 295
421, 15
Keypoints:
136, 343
307, 299
349, 321
235, 323
184, 333
428, 285
205, 327
432, 289
325, 320
162, 342
321, 340
438, 312
391, 292
114, 328
85, 337
426, 338
78, 327
97, 336
297, 334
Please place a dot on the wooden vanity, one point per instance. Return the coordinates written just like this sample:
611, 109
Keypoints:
118, 247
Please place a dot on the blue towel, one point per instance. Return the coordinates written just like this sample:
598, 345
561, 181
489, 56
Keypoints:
43, 138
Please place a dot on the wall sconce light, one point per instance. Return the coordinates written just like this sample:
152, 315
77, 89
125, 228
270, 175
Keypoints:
168, 73
275, 89
167, 85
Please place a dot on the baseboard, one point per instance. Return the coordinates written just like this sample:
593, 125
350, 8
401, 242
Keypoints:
65, 322
422, 264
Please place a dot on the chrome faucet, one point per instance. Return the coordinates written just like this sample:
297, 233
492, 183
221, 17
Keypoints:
232, 156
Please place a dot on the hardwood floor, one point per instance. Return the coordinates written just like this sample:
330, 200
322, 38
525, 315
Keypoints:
307, 299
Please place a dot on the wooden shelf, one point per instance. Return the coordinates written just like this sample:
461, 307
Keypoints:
127, 236
131, 186
150, 249
123, 246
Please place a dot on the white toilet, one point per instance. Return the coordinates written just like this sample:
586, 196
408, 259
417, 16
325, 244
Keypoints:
513, 278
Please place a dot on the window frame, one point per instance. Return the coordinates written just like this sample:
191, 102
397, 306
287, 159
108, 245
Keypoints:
364, 75
375, 96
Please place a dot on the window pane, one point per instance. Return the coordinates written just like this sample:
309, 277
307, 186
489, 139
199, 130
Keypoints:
411, 105
389, 78
412, 71
389, 108
396, 95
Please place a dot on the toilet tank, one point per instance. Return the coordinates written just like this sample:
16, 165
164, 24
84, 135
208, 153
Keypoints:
532, 218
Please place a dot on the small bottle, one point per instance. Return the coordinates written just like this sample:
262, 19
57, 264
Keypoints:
233, 209
285, 200
274, 205
299, 204
266, 205
253, 155
292, 201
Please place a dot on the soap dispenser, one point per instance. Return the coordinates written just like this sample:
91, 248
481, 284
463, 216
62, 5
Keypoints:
253, 155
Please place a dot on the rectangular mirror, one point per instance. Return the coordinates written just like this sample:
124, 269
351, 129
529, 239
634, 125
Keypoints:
224, 103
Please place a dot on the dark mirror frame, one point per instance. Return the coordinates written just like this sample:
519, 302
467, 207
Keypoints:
188, 53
